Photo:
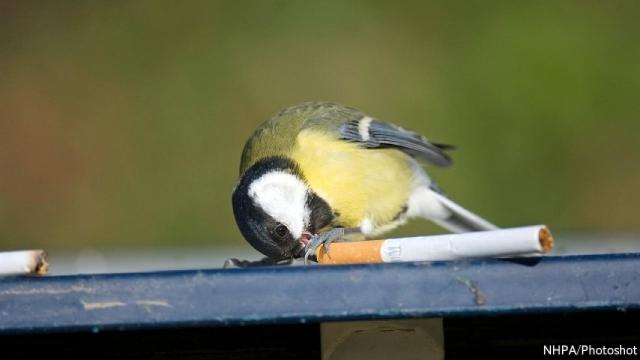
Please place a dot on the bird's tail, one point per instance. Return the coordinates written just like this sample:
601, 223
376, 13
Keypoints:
460, 219
438, 208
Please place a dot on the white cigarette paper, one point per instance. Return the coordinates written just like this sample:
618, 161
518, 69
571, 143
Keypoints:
27, 262
523, 241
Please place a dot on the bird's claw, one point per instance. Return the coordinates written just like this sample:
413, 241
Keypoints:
324, 239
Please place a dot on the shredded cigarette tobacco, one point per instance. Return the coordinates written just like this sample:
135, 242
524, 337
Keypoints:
546, 239
42, 266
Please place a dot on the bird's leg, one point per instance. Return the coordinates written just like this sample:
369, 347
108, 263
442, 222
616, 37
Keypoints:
266, 261
325, 239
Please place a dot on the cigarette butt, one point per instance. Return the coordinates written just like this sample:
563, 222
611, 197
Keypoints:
521, 241
359, 252
27, 262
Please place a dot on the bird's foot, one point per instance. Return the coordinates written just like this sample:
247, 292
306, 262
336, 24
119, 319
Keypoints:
325, 239
237, 263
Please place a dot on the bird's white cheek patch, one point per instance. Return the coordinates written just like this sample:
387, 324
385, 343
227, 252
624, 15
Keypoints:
283, 197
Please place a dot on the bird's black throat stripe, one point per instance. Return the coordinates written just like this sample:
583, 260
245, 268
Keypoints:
321, 215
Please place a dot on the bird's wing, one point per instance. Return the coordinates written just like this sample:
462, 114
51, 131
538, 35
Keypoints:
373, 133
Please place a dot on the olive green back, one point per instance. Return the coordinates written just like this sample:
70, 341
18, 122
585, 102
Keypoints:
277, 135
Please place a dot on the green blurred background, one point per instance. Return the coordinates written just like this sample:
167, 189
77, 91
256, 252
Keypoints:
122, 123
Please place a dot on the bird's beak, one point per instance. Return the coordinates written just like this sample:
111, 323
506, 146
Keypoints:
301, 247
305, 238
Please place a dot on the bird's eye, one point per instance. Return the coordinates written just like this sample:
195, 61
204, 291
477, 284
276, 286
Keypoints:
281, 231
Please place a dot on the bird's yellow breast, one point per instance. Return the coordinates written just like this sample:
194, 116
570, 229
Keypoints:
356, 182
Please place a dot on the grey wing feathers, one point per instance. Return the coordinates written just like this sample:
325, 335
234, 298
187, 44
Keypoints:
379, 134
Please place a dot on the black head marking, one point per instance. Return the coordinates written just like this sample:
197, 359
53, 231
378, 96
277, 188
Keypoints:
262, 231
321, 214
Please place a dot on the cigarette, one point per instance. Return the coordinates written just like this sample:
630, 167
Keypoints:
521, 241
27, 262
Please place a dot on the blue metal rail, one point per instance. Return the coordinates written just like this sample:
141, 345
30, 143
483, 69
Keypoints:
273, 295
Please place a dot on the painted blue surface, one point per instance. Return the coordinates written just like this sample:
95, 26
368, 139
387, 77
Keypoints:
318, 293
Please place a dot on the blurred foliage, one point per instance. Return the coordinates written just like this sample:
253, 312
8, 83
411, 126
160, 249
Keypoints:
122, 123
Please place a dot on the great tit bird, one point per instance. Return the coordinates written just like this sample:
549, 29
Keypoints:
319, 171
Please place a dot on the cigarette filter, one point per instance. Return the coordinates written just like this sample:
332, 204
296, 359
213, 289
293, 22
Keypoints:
521, 241
27, 262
